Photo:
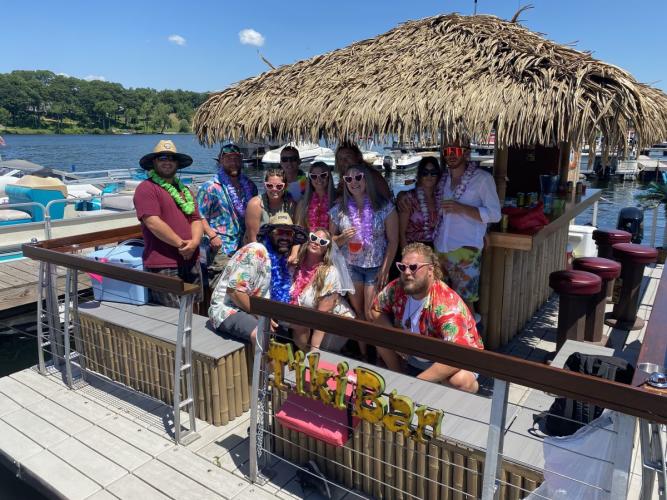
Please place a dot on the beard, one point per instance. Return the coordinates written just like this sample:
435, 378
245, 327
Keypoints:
415, 286
283, 245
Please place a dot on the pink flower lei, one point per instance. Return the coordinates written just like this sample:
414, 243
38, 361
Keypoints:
318, 212
302, 278
365, 225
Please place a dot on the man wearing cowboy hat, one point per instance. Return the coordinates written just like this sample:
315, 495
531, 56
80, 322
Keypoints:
222, 203
255, 270
170, 221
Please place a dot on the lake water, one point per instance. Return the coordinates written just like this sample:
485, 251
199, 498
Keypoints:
93, 152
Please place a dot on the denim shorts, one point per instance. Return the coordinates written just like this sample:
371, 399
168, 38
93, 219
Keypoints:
365, 275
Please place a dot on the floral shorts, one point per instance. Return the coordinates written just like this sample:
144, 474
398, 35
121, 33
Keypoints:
461, 268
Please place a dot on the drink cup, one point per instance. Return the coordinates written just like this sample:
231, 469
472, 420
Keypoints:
354, 246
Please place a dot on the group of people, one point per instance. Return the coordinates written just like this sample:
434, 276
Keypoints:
334, 248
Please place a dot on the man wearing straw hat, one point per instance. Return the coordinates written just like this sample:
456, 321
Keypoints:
420, 303
170, 221
222, 204
258, 269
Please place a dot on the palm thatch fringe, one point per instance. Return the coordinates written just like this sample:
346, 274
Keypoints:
454, 74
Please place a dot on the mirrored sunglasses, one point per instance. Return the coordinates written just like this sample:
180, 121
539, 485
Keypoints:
455, 151
323, 176
350, 178
412, 267
166, 158
289, 159
274, 187
320, 241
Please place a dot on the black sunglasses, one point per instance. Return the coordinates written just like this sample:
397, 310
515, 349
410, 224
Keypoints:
357, 177
431, 173
320, 241
288, 159
314, 177
412, 267
230, 148
166, 158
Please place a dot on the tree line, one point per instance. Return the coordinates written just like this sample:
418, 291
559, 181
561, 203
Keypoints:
43, 100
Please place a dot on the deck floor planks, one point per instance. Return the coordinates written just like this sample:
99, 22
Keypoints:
115, 449
173, 483
131, 488
88, 461
16, 446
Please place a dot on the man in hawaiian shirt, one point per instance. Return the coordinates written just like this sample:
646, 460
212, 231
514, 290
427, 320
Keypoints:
222, 202
419, 302
248, 274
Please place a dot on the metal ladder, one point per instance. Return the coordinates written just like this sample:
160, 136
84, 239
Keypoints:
652, 442
47, 306
183, 368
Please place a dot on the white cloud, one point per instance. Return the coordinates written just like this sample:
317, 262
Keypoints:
95, 77
251, 37
177, 39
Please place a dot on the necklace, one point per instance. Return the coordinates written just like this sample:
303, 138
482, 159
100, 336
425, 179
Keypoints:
239, 203
181, 196
280, 277
426, 213
364, 224
318, 212
304, 276
458, 192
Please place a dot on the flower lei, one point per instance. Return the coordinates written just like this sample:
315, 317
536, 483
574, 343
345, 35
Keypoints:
239, 204
318, 212
302, 179
304, 275
366, 222
280, 277
458, 192
182, 196
426, 213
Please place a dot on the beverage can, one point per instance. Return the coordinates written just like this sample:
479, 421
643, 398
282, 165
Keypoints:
570, 186
548, 203
504, 223
520, 199
579, 188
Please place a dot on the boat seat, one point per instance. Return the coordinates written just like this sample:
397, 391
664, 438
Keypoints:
11, 215
574, 282
135, 345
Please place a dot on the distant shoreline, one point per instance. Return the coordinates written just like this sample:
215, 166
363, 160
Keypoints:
40, 131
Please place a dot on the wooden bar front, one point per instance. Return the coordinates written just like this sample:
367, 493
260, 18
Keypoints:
515, 271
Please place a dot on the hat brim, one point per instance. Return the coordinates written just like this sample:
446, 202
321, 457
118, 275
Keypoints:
300, 236
183, 160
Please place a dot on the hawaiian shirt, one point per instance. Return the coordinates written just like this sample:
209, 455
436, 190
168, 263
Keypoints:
216, 206
248, 271
444, 316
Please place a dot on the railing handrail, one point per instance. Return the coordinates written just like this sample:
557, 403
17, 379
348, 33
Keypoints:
57, 255
630, 400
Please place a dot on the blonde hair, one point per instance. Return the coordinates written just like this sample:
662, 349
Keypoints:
428, 254
325, 266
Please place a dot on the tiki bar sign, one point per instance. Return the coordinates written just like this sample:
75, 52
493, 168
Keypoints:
370, 403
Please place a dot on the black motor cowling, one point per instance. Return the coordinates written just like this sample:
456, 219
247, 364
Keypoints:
631, 219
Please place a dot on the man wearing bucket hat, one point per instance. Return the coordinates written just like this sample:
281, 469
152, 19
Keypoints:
222, 203
258, 269
170, 221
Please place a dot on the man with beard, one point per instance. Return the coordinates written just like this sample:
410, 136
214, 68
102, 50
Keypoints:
170, 221
258, 269
222, 203
420, 303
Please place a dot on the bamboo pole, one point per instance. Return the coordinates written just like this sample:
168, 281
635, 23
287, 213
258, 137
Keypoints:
303, 448
410, 467
331, 460
156, 372
348, 461
446, 474
485, 290
229, 375
238, 402
222, 385
472, 479
339, 464
459, 476
321, 454
507, 297
208, 392
515, 491
245, 389
421, 470
377, 463
215, 395
496, 299
366, 456
434, 465
199, 386
399, 471
500, 171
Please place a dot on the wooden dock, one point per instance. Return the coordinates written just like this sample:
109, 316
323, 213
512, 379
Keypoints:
18, 283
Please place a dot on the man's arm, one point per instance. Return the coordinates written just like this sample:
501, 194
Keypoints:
162, 231
253, 215
240, 299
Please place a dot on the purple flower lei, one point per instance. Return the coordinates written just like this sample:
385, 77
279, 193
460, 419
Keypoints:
239, 205
366, 222
281, 281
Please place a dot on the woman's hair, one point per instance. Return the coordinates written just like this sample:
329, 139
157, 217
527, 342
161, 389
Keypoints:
274, 172
425, 162
428, 254
352, 147
301, 215
324, 268
374, 195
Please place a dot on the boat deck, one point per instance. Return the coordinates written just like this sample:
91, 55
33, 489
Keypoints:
103, 441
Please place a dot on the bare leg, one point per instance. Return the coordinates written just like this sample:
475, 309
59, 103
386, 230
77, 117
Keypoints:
465, 381
357, 303
301, 337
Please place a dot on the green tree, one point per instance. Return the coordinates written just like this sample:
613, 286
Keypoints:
5, 117
104, 109
184, 126
160, 119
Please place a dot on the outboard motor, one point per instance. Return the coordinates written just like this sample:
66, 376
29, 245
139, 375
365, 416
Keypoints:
631, 219
388, 162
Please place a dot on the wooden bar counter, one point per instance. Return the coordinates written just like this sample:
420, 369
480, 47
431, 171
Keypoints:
516, 267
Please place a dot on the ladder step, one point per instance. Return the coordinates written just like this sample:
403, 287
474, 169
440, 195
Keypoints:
185, 403
186, 366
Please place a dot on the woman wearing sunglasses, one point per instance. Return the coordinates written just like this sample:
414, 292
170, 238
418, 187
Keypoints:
417, 221
274, 199
365, 227
312, 210
320, 284
469, 203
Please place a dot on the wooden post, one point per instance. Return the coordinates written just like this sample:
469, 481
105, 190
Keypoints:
500, 170
591, 153
564, 162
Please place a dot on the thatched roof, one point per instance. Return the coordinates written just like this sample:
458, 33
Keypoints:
453, 73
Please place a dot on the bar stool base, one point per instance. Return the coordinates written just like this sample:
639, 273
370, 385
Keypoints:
638, 324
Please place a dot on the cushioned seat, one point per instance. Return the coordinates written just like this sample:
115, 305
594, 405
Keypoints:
611, 236
575, 282
637, 254
606, 269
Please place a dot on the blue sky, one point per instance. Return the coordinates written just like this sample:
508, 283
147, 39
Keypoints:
128, 42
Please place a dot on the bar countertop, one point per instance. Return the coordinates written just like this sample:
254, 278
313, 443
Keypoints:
574, 205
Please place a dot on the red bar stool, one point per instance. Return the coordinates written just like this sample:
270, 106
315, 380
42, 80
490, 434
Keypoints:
606, 238
633, 259
575, 289
608, 270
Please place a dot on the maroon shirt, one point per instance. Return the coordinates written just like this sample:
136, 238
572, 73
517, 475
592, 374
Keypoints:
151, 199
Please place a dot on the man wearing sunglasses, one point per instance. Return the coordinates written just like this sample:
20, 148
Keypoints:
170, 221
222, 203
420, 303
294, 177
469, 203
249, 274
